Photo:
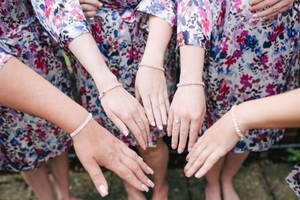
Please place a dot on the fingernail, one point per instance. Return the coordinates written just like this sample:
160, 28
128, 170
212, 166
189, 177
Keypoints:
100, 4
103, 190
160, 127
150, 170
152, 123
145, 188
197, 175
126, 133
255, 15
151, 183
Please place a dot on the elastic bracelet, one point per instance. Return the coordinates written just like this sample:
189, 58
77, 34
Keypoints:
235, 123
189, 84
103, 93
89, 117
153, 67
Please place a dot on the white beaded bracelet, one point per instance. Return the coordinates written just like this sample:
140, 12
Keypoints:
89, 117
153, 67
102, 94
235, 123
189, 84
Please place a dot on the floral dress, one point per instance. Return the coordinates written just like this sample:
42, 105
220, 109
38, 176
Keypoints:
293, 179
4, 57
25, 140
120, 30
246, 58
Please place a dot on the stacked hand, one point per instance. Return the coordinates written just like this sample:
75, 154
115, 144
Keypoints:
269, 8
90, 7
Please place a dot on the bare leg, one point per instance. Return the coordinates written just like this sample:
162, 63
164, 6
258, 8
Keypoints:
232, 164
60, 171
39, 181
157, 158
213, 189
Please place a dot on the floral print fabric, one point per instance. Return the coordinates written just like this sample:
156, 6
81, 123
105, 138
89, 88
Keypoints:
3, 58
246, 58
25, 140
293, 179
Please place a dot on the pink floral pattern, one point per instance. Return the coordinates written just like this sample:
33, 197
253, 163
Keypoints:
3, 58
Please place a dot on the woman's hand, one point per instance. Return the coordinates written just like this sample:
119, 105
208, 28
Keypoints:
124, 110
90, 7
269, 8
151, 87
217, 141
95, 147
186, 115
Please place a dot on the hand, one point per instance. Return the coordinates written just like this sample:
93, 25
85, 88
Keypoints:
123, 109
95, 146
217, 141
151, 87
90, 7
186, 114
269, 8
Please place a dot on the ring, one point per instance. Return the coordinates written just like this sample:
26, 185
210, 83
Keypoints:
177, 121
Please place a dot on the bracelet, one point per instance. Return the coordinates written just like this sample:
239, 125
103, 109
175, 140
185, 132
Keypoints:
153, 67
189, 84
89, 117
102, 94
235, 123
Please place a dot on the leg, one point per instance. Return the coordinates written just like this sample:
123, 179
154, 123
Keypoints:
60, 171
157, 158
213, 189
39, 181
232, 164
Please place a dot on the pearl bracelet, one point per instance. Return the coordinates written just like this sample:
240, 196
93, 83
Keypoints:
189, 84
235, 123
102, 94
153, 67
89, 117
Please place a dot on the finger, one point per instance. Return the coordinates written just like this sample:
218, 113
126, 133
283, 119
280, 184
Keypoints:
194, 129
170, 122
137, 171
90, 14
276, 13
134, 128
163, 109
97, 177
156, 111
184, 130
88, 7
142, 129
95, 3
198, 147
119, 124
191, 169
263, 5
175, 133
267, 12
254, 2
127, 175
167, 101
208, 164
145, 121
148, 109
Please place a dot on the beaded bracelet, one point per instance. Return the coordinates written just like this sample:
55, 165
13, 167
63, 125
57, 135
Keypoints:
153, 67
189, 84
89, 117
103, 93
235, 123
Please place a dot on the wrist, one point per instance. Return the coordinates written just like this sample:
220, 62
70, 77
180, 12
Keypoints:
153, 58
244, 117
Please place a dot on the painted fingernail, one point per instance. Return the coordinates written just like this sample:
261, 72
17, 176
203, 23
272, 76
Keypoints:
152, 123
198, 174
160, 127
126, 133
103, 190
150, 170
150, 183
145, 188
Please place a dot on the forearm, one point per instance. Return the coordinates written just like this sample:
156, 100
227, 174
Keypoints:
22, 89
279, 111
192, 61
159, 36
87, 52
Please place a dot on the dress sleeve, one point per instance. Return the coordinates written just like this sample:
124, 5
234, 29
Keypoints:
4, 57
63, 19
164, 9
194, 22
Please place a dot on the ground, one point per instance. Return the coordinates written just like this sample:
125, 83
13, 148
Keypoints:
258, 179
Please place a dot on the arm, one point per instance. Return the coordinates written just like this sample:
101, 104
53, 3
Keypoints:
23, 89
194, 25
65, 21
280, 111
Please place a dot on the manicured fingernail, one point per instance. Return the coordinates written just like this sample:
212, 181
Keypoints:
100, 4
198, 174
160, 127
126, 133
145, 188
151, 183
255, 15
152, 123
150, 170
103, 190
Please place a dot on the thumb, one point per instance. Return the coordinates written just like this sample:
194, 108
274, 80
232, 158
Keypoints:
97, 177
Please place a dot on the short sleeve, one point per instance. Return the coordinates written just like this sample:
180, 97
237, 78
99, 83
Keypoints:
164, 9
4, 57
194, 22
63, 19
